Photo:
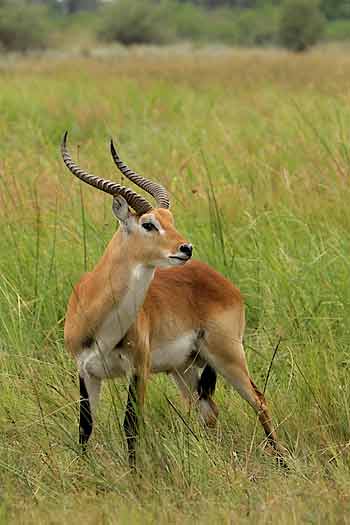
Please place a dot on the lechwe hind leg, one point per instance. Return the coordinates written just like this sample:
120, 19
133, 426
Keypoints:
198, 390
230, 361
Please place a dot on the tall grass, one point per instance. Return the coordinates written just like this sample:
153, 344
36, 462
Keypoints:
254, 149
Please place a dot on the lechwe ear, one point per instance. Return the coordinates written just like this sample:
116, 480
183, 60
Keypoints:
120, 208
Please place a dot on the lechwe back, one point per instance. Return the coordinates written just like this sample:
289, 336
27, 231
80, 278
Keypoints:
148, 307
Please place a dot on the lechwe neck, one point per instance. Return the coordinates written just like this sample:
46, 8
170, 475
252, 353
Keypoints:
125, 280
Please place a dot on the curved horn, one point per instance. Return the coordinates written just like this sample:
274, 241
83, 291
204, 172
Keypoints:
135, 201
153, 188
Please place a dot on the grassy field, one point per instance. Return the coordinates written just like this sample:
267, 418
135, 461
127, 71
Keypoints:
254, 147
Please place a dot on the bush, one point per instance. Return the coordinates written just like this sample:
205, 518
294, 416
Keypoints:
137, 22
257, 27
147, 21
196, 23
301, 24
23, 27
192, 22
335, 9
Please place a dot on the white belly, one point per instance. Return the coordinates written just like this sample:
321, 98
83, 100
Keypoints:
174, 355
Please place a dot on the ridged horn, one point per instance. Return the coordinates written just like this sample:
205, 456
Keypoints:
153, 188
135, 201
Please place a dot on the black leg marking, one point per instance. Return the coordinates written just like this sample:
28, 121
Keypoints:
131, 422
207, 383
88, 342
85, 422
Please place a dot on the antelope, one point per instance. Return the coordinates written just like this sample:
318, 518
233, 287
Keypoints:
148, 307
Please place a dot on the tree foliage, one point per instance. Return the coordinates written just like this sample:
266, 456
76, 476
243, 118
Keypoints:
23, 27
136, 22
301, 24
297, 24
335, 9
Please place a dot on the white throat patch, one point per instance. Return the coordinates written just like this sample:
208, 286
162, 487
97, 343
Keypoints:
123, 314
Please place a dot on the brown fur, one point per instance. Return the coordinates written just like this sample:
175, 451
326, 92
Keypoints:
179, 300
191, 295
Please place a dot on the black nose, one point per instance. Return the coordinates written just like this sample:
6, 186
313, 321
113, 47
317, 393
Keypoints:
186, 249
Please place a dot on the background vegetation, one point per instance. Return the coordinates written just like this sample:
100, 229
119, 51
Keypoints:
301, 24
71, 24
254, 148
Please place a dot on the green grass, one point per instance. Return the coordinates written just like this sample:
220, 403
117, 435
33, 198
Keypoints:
265, 137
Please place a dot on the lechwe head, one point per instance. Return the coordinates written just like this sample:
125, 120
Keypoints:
149, 232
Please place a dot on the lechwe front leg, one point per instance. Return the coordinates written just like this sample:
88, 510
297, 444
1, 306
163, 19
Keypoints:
90, 388
135, 402
131, 419
94, 365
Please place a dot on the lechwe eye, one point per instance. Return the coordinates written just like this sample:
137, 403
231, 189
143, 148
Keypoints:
149, 226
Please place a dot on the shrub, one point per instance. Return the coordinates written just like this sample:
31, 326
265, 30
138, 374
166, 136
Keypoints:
23, 27
197, 23
257, 26
301, 24
192, 22
136, 22
335, 9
